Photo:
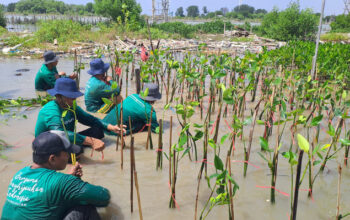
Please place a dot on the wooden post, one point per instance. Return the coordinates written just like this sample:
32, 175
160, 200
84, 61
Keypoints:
297, 184
170, 143
132, 161
138, 81
149, 129
121, 136
138, 194
160, 146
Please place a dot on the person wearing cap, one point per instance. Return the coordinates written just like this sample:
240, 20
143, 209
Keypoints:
138, 108
50, 117
98, 87
47, 75
40, 192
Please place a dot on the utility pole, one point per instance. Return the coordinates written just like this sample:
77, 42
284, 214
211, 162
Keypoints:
346, 7
313, 70
165, 5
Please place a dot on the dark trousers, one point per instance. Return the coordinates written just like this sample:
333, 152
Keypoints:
83, 212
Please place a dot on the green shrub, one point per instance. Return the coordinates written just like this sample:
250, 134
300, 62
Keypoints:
62, 30
185, 30
2, 18
290, 24
213, 27
333, 37
341, 24
2, 30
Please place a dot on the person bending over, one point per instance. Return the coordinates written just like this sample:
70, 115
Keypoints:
51, 117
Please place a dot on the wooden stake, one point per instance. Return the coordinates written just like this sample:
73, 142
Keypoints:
297, 185
338, 200
160, 146
149, 129
138, 81
170, 143
230, 188
121, 136
138, 194
132, 161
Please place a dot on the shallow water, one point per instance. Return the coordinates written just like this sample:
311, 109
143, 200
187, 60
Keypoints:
251, 201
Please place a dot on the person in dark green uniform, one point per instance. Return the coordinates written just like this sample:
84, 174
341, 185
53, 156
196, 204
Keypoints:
138, 108
40, 192
100, 86
50, 117
47, 75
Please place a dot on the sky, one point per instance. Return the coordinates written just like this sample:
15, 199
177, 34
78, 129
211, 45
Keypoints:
333, 7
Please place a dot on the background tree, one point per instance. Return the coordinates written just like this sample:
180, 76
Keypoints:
180, 12
341, 23
2, 17
113, 9
192, 11
245, 10
290, 24
89, 7
11, 7
205, 10
260, 11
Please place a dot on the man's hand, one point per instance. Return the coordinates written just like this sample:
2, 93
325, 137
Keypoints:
76, 170
108, 78
95, 143
61, 74
116, 129
73, 75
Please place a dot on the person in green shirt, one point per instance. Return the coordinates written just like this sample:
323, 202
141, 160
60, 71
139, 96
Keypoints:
40, 192
50, 117
138, 108
100, 86
47, 75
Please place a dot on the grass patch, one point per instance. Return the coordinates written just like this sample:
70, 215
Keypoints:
241, 39
334, 37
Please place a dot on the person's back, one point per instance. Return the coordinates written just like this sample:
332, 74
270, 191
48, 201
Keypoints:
45, 78
139, 112
46, 194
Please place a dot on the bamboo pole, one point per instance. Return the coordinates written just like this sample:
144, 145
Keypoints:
121, 136
149, 129
138, 194
170, 143
338, 199
160, 146
132, 161
297, 185
230, 188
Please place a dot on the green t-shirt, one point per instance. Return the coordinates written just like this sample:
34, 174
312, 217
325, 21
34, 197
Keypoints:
46, 194
135, 108
49, 118
95, 90
45, 78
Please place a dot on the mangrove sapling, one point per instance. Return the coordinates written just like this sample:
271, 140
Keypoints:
149, 132
222, 180
171, 65
71, 110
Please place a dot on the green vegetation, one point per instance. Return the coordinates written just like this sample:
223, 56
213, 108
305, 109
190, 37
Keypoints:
334, 37
341, 24
49, 6
290, 24
192, 11
114, 9
241, 39
2, 18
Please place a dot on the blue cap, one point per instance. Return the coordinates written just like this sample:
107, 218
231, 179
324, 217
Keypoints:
50, 57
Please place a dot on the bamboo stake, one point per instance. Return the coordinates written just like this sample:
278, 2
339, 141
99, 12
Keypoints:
170, 143
149, 129
160, 146
230, 188
138, 194
297, 184
338, 199
215, 138
121, 136
132, 161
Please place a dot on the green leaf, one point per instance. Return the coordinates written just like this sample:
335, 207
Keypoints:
345, 142
316, 162
166, 107
223, 138
331, 130
197, 125
212, 143
64, 113
107, 101
218, 163
303, 143
74, 105
157, 130
182, 139
264, 144
260, 122
198, 135
316, 121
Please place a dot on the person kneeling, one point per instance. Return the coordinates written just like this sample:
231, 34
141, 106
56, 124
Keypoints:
40, 192
51, 117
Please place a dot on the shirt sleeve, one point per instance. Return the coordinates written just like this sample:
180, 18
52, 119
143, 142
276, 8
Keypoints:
89, 120
76, 191
54, 123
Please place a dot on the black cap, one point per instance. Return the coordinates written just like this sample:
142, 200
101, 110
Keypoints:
51, 142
